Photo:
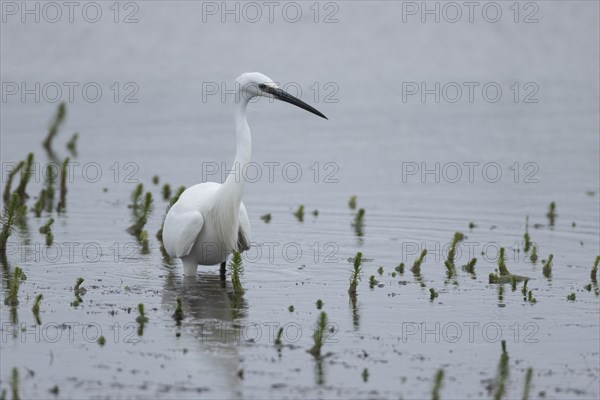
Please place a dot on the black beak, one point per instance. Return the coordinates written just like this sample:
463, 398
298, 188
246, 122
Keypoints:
282, 95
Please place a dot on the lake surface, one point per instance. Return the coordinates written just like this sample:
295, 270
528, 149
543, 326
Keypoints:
417, 130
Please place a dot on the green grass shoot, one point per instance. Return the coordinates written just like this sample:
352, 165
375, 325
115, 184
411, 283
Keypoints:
14, 383
502, 263
416, 268
72, 144
372, 281
49, 191
141, 319
438, 382
59, 118
145, 242
25, 177
46, 229
380, 270
571, 297
356, 274
352, 203
12, 297
299, 214
534, 254
358, 223
178, 315
433, 294
166, 191
527, 388
526, 238
278, 341
62, 203
400, 268
8, 219
365, 375
470, 266
236, 267
594, 273
319, 335
143, 213
101, 341
136, 196
547, 270
502, 375
319, 304
36, 308
449, 263
551, 213
155, 179
9, 180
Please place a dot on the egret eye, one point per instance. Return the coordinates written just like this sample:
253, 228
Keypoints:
262, 86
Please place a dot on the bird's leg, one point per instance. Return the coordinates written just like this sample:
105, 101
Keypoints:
222, 271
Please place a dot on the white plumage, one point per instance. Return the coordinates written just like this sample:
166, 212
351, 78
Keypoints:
209, 221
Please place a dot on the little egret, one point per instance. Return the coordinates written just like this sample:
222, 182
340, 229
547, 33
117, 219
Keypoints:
209, 221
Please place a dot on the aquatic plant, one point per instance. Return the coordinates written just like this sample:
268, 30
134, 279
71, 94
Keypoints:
594, 273
78, 290
356, 274
472, 225
372, 281
470, 266
25, 177
433, 294
266, 218
141, 319
14, 384
315, 213
101, 341
48, 193
145, 242
62, 203
416, 268
291, 308
59, 118
9, 180
46, 229
400, 268
237, 270
143, 214
358, 223
299, 214
438, 382
526, 238
527, 388
36, 308
352, 202
278, 340
547, 270
588, 287
534, 255
551, 213
155, 179
571, 297
319, 335
136, 196
449, 263
319, 304
380, 270
530, 297
166, 191
178, 315
502, 263
72, 144
8, 219
12, 296
500, 293
365, 375
502, 375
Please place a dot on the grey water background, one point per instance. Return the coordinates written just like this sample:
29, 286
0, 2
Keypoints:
178, 131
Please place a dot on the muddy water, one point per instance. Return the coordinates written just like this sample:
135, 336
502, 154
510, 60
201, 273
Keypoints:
422, 170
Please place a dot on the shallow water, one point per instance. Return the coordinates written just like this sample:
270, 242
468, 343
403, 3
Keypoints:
369, 148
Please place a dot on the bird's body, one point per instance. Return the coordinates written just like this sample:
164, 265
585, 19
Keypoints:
209, 221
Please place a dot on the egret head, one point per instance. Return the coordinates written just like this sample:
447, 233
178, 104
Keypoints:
253, 84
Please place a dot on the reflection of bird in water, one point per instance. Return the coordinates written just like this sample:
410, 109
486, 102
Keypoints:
209, 327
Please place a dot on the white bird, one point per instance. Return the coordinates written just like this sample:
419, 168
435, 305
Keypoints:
209, 221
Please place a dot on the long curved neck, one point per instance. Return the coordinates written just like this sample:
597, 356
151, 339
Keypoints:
233, 188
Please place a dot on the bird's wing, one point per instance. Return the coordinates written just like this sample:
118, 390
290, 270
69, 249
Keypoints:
244, 230
180, 231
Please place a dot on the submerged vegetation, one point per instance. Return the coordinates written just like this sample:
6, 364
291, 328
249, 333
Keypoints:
299, 214
12, 296
547, 269
551, 214
36, 308
502, 374
356, 273
358, 223
46, 229
503, 275
59, 119
142, 214
449, 263
237, 270
62, 203
437, 384
416, 268
9, 219
319, 335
